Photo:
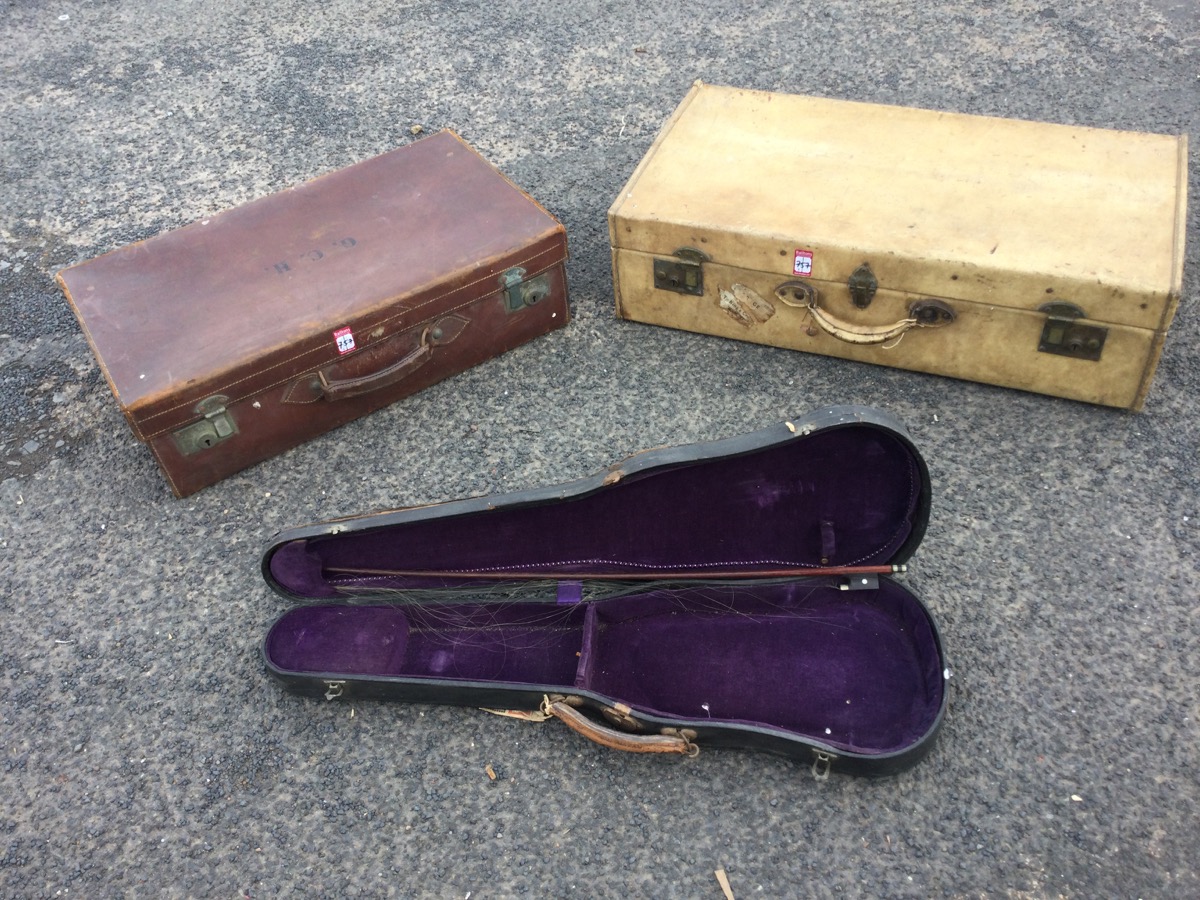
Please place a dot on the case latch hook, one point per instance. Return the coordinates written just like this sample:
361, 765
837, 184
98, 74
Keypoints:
334, 689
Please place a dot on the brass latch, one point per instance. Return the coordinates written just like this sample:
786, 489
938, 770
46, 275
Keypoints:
519, 293
216, 426
683, 274
862, 284
1065, 336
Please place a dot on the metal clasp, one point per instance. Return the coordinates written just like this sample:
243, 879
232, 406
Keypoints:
682, 274
216, 426
334, 689
519, 293
1064, 336
862, 284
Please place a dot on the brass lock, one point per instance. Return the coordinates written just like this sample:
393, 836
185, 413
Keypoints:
519, 293
216, 426
862, 284
1064, 336
683, 274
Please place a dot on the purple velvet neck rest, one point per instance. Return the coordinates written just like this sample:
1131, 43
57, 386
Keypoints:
858, 670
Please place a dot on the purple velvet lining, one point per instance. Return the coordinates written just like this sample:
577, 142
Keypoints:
523, 643
847, 496
301, 570
857, 670
368, 640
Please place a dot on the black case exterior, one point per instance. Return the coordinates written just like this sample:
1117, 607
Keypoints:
530, 696
484, 695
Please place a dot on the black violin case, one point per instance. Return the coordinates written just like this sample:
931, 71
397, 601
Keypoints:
739, 593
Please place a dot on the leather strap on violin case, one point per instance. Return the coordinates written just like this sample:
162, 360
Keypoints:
244, 334
740, 593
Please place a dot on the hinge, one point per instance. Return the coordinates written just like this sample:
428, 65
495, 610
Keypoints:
683, 273
1064, 336
519, 293
216, 426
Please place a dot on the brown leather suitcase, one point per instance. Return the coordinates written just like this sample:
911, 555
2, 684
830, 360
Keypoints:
240, 336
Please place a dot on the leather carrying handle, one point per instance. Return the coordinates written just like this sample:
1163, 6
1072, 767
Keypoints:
443, 331
355, 387
563, 709
921, 314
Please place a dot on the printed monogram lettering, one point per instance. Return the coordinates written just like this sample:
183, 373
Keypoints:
312, 255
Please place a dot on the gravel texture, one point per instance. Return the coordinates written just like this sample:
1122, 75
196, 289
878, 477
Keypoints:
144, 751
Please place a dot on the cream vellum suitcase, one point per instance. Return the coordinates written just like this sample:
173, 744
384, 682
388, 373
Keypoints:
1035, 256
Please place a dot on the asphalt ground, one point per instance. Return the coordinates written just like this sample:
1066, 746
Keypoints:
144, 750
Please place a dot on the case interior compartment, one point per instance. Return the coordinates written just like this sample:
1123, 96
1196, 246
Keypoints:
857, 670
844, 496
611, 588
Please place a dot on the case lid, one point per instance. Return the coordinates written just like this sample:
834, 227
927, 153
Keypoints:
842, 487
999, 211
250, 298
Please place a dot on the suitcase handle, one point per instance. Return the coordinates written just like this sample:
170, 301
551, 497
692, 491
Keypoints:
440, 332
671, 741
921, 314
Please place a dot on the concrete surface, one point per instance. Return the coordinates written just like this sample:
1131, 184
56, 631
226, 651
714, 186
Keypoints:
144, 751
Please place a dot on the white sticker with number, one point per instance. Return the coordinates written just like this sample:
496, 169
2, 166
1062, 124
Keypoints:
803, 263
344, 338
